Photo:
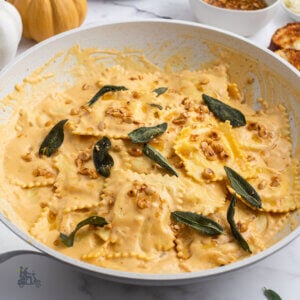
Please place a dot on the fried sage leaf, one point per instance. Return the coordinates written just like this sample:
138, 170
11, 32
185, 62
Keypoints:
224, 112
156, 105
68, 240
198, 222
243, 187
105, 89
54, 139
145, 134
159, 91
158, 158
230, 218
102, 159
271, 295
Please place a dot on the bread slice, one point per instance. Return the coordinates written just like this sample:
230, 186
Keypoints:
286, 37
290, 55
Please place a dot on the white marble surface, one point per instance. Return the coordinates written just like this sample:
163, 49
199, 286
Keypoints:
280, 272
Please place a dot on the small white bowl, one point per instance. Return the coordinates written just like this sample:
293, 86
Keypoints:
242, 22
290, 13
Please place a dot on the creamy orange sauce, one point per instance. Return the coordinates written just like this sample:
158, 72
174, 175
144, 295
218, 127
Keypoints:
48, 196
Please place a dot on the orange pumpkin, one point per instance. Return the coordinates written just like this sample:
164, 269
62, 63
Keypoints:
44, 18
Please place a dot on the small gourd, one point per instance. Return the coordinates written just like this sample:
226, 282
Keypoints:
45, 18
10, 32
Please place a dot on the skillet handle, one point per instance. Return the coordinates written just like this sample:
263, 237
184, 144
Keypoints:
11, 245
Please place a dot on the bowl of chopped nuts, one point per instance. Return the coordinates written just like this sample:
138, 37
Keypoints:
243, 17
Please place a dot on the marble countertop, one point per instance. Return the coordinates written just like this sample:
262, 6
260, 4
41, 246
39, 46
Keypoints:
280, 272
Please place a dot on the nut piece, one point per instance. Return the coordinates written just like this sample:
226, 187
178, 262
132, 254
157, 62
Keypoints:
262, 184
142, 203
42, 172
181, 119
136, 152
275, 181
27, 157
208, 173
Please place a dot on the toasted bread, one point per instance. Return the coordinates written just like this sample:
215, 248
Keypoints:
291, 55
286, 37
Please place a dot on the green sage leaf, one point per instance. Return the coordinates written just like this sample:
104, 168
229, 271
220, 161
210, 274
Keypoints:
159, 91
68, 240
53, 140
158, 158
102, 159
145, 134
243, 187
230, 218
198, 222
156, 105
271, 295
224, 112
105, 89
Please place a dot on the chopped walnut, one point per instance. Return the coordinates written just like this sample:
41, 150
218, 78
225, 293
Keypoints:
88, 172
187, 103
208, 173
142, 203
132, 193
74, 111
242, 227
214, 136
27, 157
262, 131
181, 119
42, 172
48, 123
85, 87
117, 113
210, 154
223, 155
218, 148
84, 155
252, 126
136, 95
135, 152
275, 181
262, 185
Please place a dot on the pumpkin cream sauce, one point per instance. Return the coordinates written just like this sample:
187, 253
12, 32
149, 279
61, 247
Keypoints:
127, 166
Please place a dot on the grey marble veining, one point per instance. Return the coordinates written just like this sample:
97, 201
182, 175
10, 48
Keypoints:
280, 272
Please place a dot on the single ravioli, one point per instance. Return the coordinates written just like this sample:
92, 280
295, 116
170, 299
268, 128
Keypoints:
268, 135
77, 184
205, 150
114, 117
279, 191
140, 211
23, 165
